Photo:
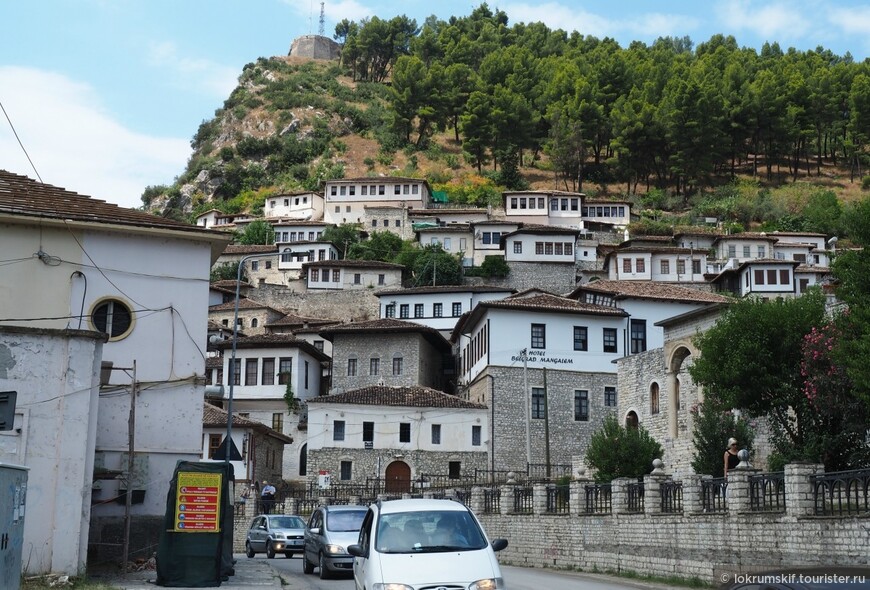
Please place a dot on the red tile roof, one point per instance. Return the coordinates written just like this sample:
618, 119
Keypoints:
213, 416
649, 290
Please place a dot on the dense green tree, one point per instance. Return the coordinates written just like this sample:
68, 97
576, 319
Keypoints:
433, 266
227, 271
714, 424
258, 231
381, 245
344, 237
619, 451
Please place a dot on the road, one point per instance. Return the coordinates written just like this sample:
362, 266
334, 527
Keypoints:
516, 578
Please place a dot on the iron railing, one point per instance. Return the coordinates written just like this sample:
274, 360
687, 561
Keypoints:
672, 496
558, 499
841, 493
598, 499
523, 500
713, 494
767, 492
634, 500
491, 500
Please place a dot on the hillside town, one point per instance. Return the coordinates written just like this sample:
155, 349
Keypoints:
335, 373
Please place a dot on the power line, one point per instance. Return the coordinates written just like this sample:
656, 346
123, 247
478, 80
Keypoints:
15, 133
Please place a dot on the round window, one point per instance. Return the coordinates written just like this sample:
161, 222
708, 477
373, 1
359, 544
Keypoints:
113, 317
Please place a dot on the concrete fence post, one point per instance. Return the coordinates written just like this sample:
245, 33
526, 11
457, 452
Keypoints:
799, 498
539, 498
737, 492
477, 501
692, 503
652, 492
578, 495
506, 503
619, 495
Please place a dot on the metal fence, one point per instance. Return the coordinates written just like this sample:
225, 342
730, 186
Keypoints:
841, 493
558, 499
634, 493
713, 494
767, 492
672, 496
491, 500
523, 500
598, 499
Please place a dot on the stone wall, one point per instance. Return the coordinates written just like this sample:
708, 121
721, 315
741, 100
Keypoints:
315, 47
559, 278
501, 389
358, 305
359, 346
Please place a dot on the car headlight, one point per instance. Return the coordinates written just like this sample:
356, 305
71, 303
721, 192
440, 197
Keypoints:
392, 586
279, 535
487, 584
335, 549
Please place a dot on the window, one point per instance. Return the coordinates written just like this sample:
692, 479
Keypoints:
696, 267
418, 310
518, 247
457, 309
437, 310
771, 276
397, 365
368, 432
398, 223
267, 375
336, 275
538, 401
251, 366
554, 204
746, 252
761, 251
315, 275
381, 279
513, 202
681, 267
486, 238
351, 367
581, 338
236, 369
255, 265
436, 434
626, 265
610, 396
357, 278
475, 436
609, 339
305, 375
454, 469
346, 470
338, 430
759, 276
318, 344
783, 276
268, 264
541, 203
638, 336
214, 443
523, 203
557, 248
390, 310
581, 405
278, 421
539, 248
548, 248
447, 243
539, 336
654, 398
666, 267
374, 366
404, 310
732, 251
404, 432
112, 317
640, 264
285, 370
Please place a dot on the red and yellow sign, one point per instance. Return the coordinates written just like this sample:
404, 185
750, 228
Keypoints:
197, 502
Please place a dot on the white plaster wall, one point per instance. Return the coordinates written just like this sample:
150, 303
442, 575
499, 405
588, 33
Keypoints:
56, 376
528, 253
455, 426
447, 322
304, 206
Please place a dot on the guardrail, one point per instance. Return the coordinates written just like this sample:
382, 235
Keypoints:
598, 499
713, 494
841, 493
671, 496
767, 492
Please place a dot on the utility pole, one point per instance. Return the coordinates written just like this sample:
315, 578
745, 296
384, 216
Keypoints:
526, 403
131, 442
546, 424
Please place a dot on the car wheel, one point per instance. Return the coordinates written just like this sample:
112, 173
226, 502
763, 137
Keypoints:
324, 571
307, 566
249, 551
270, 551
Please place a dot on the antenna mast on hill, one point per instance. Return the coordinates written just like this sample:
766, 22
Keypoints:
322, 20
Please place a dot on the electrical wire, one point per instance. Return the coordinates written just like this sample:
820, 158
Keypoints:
15, 133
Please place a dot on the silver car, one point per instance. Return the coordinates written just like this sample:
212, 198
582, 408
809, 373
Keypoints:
275, 533
330, 530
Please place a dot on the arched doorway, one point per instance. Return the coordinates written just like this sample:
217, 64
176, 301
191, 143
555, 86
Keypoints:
631, 420
397, 478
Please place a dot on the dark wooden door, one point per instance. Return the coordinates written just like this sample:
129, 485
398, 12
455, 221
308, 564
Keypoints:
398, 478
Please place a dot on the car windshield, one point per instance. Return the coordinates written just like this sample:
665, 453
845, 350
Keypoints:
287, 522
345, 521
429, 531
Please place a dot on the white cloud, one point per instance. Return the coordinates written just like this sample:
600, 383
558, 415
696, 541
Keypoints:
75, 144
559, 16
333, 11
852, 21
192, 72
778, 21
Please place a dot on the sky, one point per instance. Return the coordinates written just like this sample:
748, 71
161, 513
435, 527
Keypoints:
105, 95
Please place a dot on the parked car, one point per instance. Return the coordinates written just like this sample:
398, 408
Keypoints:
422, 543
330, 530
275, 533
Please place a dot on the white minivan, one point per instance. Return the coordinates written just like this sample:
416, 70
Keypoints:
424, 543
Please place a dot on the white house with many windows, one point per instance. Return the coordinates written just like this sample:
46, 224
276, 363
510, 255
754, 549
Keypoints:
765, 278
598, 211
554, 351
348, 275
454, 239
487, 238
540, 244
744, 246
292, 230
544, 207
437, 307
405, 436
299, 205
665, 264
267, 367
345, 199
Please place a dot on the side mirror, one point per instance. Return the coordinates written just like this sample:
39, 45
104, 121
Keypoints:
314, 531
356, 550
262, 527
499, 544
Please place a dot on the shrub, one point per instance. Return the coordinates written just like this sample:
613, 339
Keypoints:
617, 451
494, 266
865, 183
714, 425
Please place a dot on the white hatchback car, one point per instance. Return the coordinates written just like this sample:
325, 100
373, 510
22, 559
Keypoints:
413, 544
